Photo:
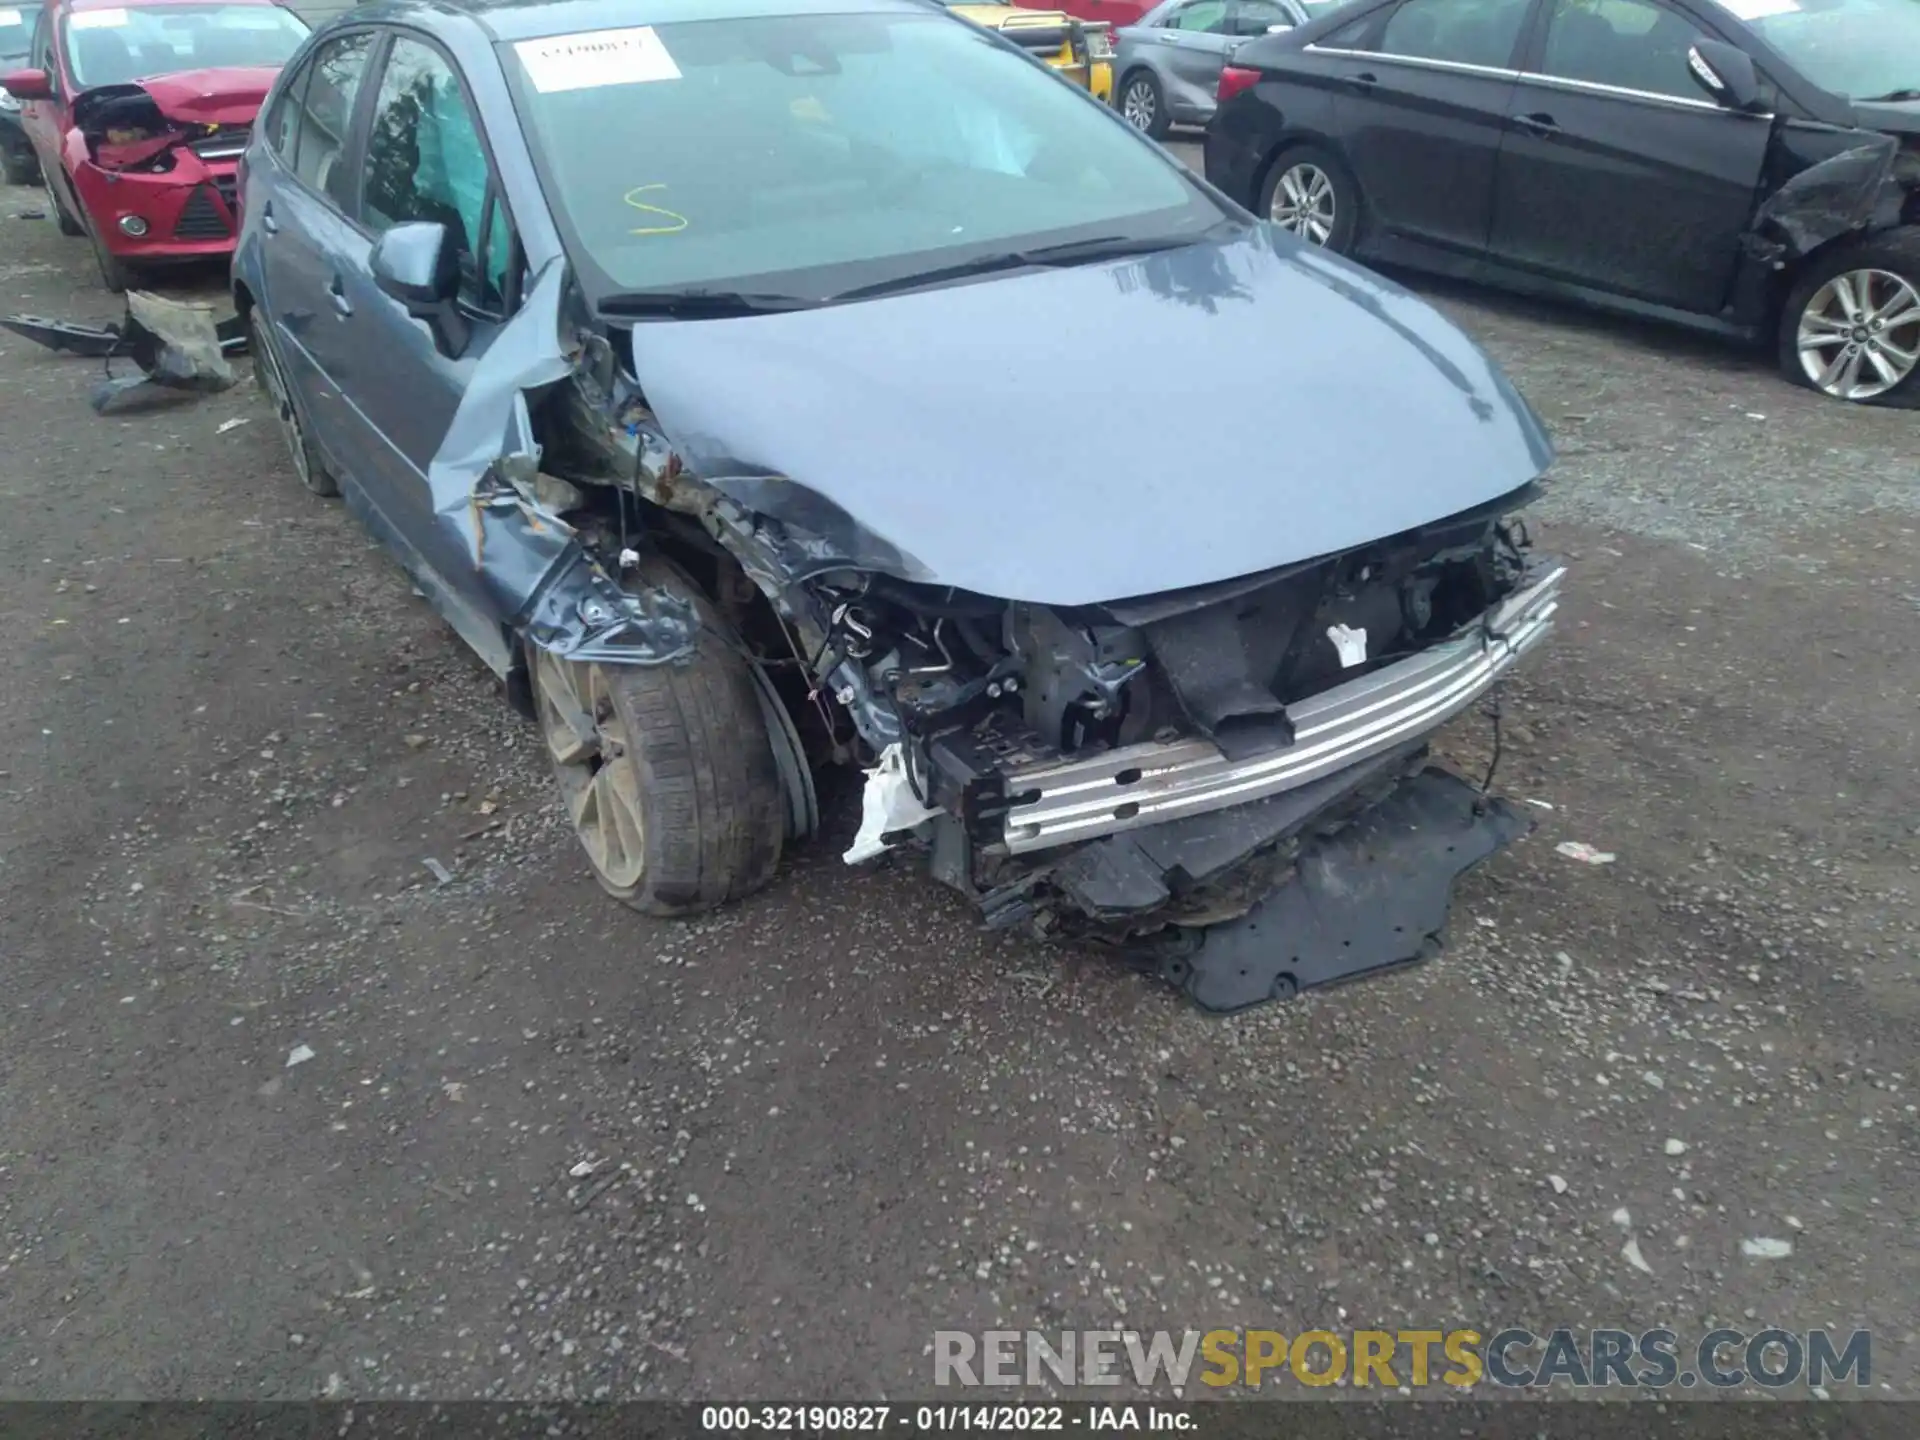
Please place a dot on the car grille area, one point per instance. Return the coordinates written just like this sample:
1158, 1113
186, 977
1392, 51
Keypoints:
201, 218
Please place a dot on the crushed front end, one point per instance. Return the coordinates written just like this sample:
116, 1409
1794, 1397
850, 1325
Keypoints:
1231, 783
159, 186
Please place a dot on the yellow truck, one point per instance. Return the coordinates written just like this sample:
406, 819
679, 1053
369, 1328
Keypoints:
1080, 50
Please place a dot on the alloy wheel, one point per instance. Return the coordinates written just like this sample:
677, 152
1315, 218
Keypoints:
598, 781
1859, 335
1303, 203
1137, 106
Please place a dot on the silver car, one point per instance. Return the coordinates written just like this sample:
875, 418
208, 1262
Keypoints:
1168, 62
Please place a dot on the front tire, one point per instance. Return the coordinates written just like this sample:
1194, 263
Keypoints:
666, 771
1851, 325
1143, 106
62, 217
1309, 193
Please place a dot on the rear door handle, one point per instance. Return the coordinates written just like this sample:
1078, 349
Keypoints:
1365, 80
338, 291
1537, 123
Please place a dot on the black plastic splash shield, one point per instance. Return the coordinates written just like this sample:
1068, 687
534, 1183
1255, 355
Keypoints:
1371, 898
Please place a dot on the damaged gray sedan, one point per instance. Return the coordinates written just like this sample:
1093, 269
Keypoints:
739, 379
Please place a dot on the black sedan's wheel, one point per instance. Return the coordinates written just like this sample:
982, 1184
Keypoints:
666, 771
18, 165
1143, 106
1851, 325
308, 463
1309, 192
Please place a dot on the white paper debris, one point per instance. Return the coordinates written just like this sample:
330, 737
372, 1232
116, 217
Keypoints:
1634, 1258
300, 1054
1759, 9
1580, 850
887, 804
1351, 642
234, 424
1676, 1147
1764, 1249
596, 58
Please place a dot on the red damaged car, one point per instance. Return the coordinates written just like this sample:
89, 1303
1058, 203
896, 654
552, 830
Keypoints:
139, 112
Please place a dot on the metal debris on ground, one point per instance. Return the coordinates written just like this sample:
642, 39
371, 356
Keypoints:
1581, 851
179, 347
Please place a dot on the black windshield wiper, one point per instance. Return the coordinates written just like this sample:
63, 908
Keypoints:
1910, 93
701, 304
1038, 257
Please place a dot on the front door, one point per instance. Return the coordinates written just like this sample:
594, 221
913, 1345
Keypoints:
424, 160
1617, 171
1422, 103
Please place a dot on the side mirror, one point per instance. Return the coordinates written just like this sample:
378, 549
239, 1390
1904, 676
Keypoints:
28, 85
1726, 73
417, 265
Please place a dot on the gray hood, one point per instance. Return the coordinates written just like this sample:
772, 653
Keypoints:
1080, 435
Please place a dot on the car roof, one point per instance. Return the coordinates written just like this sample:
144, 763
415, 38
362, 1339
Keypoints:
509, 20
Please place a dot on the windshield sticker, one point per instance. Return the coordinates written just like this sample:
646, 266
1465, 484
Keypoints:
680, 222
595, 59
10, 18
96, 19
1758, 9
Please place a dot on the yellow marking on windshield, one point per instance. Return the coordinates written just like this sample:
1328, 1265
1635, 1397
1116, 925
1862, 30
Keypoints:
680, 222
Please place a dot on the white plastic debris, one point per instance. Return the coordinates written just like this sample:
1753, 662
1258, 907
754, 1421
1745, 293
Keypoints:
1559, 1184
1583, 852
1634, 1258
1351, 642
1765, 1249
888, 804
1538, 804
299, 1055
1676, 1147
234, 424
583, 1168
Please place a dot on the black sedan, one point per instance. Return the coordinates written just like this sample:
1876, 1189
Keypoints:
1746, 166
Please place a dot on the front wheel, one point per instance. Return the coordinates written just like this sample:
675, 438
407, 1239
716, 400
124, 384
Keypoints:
1851, 325
666, 771
1143, 106
1309, 193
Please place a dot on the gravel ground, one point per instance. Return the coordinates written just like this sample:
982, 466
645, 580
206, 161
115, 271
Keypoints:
827, 1122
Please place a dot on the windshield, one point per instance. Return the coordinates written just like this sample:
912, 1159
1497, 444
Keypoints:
1858, 48
112, 47
812, 155
16, 36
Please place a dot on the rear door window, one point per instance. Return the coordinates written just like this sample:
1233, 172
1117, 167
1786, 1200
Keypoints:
325, 115
1209, 17
1481, 33
1256, 17
426, 161
279, 129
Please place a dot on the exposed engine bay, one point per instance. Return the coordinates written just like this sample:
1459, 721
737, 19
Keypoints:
125, 128
1132, 772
